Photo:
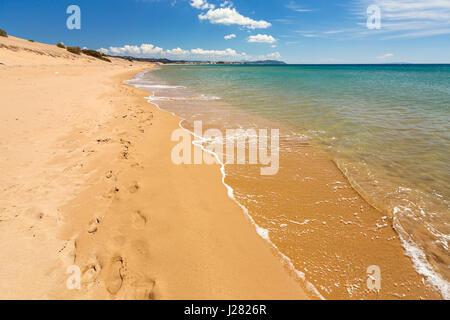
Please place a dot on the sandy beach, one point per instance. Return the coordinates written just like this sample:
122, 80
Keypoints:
87, 181
216, 156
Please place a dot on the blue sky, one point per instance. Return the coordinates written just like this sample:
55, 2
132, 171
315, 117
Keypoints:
308, 31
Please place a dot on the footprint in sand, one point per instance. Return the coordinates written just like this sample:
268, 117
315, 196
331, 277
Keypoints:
69, 252
103, 141
125, 142
39, 215
126, 147
146, 120
134, 187
139, 220
111, 193
145, 291
93, 225
91, 271
140, 290
114, 276
141, 249
136, 165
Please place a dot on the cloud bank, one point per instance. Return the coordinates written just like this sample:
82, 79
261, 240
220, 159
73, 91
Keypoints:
152, 51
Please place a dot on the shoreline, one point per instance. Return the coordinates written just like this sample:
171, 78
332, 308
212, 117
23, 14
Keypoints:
103, 195
284, 260
387, 239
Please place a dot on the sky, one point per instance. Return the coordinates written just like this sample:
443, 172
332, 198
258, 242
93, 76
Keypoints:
294, 31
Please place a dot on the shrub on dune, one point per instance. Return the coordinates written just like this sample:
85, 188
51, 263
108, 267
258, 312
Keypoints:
75, 50
60, 45
3, 33
95, 54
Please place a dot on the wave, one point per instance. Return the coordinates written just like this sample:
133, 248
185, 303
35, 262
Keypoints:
406, 206
418, 256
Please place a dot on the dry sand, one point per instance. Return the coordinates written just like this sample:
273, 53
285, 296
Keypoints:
87, 180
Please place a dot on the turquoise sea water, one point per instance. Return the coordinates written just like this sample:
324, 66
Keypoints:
395, 117
386, 126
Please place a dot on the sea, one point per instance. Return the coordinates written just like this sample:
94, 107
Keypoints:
378, 134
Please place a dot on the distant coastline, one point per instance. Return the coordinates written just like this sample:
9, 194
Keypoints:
263, 62
167, 61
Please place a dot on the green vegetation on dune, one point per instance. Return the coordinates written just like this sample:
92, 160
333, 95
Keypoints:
3, 33
95, 54
88, 52
75, 50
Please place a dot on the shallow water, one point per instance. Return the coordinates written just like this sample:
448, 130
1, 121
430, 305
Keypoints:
386, 127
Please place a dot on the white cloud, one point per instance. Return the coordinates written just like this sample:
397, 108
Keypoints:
149, 49
230, 36
295, 7
144, 49
229, 16
334, 31
421, 34
262, 38
307, 34
201, 4
177, 52
125, 49
386, 56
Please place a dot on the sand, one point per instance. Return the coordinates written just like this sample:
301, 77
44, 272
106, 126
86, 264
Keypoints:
88, 184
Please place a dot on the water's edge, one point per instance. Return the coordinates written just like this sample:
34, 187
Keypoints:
420, 264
